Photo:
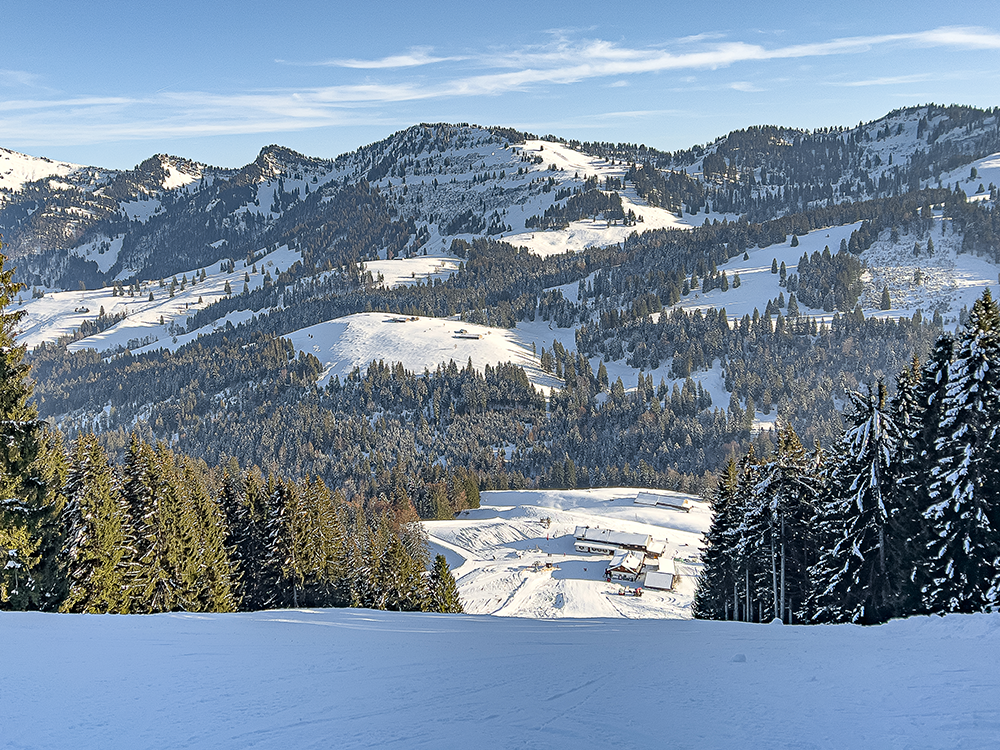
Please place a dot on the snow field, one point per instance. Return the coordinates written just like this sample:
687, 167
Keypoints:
408, 271
499, 554
944, 281
421, 343
364, 679
988, 169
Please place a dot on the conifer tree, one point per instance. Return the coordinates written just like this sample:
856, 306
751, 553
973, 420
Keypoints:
784, 504
399, 583
749, 564
276, 583
909, 415
204, 571
26, 510
49, 585
714, 597
443, 590
96, 552
153, 588
859, 575
963, 518
246, 507
326, 552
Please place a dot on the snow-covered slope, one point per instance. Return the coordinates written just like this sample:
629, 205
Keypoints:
17, 169
419, 343
364, 679
509, 560
943, 281
156, 323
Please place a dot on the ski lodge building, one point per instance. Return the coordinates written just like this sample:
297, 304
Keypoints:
663, 577
608, 542
626, 565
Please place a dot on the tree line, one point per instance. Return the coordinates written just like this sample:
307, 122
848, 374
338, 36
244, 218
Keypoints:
898, 517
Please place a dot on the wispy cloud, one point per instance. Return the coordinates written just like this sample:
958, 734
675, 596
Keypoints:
12, 78
744, 86
636, 114
561, 61
884, 80
415, 57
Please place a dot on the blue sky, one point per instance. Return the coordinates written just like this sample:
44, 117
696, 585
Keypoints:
109, 84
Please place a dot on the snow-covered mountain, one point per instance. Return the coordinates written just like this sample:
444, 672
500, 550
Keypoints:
69, 225
491, 245
84, 230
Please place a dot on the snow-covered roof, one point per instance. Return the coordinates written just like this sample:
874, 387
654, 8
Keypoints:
626, 560
658, 580
656, 547
609, 536
663, 500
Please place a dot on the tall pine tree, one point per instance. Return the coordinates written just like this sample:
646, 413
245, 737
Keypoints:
27, 512
96, 553
714, 598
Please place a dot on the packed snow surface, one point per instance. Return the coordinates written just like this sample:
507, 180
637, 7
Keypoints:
364, 679
514, 555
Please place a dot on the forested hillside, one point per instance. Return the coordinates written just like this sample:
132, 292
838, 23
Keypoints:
661, 315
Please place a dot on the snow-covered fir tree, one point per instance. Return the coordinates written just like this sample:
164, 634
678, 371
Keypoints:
714, 598
859, 574
786, 494
963, 518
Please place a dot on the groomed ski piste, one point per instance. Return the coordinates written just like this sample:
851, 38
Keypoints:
514, 556
365, 679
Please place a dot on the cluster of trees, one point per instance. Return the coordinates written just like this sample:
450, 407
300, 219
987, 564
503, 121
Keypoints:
161, 532
828, 282
898, 517
767, 363
591, 203
673, 190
